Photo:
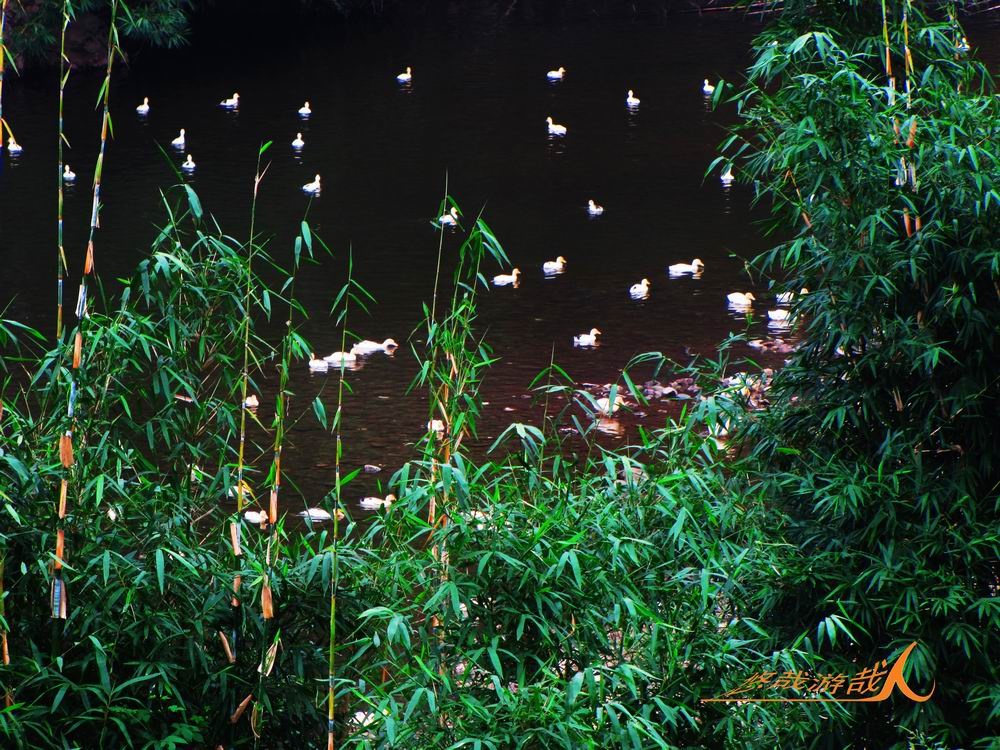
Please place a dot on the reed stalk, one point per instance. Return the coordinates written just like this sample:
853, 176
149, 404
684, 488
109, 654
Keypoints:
67, 10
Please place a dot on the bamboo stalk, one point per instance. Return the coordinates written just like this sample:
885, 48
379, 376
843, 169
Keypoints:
8, 699
273, 541
907, 55
60, 248
885, 39
58, 599
237, 521
3, 58
335, 567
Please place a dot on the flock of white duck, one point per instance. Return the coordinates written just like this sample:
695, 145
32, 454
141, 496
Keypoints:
738, 301
351, 357
741, 301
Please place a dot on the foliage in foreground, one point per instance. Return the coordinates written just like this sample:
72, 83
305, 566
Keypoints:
548, 599
881, 441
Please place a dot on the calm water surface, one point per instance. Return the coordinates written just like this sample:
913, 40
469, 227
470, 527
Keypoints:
475, 113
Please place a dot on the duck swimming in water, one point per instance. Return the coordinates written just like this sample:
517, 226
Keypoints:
555, 128
640, 290
587, 339
313, 188
695, 266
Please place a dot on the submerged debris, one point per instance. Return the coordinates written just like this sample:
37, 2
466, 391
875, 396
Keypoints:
777, 345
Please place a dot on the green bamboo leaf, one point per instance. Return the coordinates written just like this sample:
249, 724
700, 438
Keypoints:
193, 202
160, 569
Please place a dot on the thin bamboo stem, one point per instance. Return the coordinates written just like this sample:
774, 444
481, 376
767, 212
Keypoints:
3, 60
273, 541
8, 699
335, 567
236, 524
885, 40
58, 600
60, 248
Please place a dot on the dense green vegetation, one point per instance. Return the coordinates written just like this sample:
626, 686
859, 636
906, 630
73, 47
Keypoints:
880, 444
544, 599
554, 594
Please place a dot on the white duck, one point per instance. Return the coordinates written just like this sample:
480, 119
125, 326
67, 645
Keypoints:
505, 279
555, 128
406, 76
318, 514
68, 174
143, 109
786, 298
554, 266
449, 219
370, 347
695, 266
739, 299
298, 143
257, 517
778, 316
640, 290
231, 103
313, 188
13, 146
557, 74
707, 88
179, 141
338, 358
631, 100
189, 165
727, 176
606, 407
305, 110
587, 339
374, 503
318, 365
593, 209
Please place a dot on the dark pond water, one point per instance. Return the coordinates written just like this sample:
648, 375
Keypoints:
475, 112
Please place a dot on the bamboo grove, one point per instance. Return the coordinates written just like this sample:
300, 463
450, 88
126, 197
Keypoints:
551, 593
